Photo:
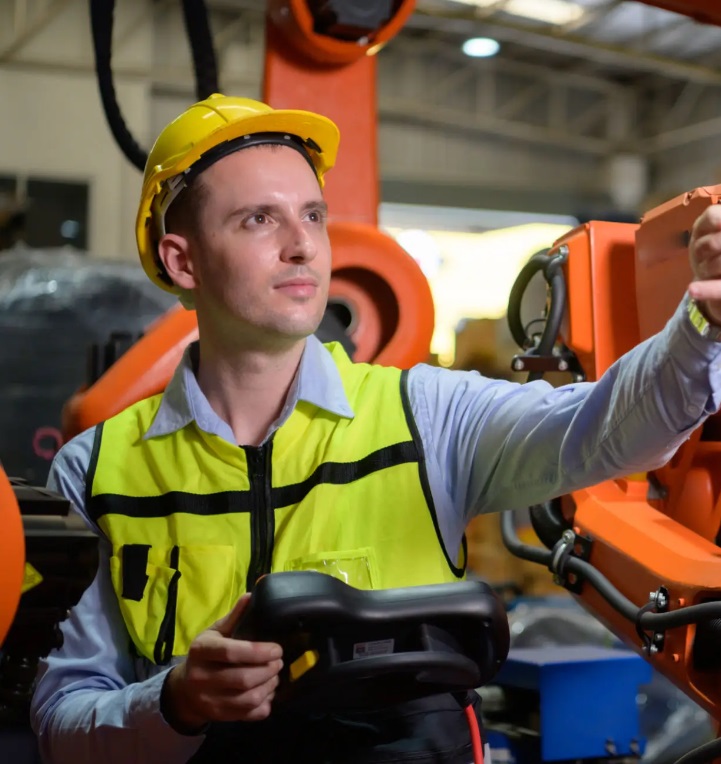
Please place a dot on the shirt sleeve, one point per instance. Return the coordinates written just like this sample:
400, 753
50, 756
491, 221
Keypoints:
88, 705
495, 445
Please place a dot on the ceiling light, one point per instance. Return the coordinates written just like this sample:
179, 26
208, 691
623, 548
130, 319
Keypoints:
481, 47
549, 11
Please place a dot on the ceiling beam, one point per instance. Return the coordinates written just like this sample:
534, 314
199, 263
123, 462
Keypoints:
463, 22
27, 31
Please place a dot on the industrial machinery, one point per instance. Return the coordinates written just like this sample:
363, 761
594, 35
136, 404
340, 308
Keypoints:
49, 557
639, 552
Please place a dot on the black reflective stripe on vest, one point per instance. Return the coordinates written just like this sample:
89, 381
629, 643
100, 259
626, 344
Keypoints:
92, 467
342, 473
228, 502
221, 503
163, 651
423, 474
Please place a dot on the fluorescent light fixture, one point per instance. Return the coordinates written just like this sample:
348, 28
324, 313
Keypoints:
481, 47
548, 11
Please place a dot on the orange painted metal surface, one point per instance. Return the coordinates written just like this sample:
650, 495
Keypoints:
337, 78
347, 95
663, 270
639, 548
142, 371
602, 319
12, 555
704, 11
386, 290
624, 282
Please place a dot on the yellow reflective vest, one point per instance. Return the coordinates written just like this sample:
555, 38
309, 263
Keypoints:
194, 520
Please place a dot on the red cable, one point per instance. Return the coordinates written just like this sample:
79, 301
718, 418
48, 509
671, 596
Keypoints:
475, 734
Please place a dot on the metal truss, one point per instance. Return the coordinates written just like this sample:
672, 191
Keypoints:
26, 19
655, 104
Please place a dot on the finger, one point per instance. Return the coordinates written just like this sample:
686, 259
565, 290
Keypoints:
708, 222
707, 247
227, 623
258, 714
212, 647
232, 679
251, 699
705, 290
238, 706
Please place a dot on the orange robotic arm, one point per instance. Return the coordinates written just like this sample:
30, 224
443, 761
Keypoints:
653, 534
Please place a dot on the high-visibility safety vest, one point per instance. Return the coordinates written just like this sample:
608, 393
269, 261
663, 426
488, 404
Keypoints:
194, 520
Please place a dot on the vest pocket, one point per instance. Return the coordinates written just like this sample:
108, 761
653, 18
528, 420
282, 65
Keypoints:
356, 567
180, 593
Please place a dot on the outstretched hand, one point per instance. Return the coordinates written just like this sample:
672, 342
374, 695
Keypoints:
222, 679
705, 255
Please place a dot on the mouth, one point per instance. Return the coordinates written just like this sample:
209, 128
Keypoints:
300, 287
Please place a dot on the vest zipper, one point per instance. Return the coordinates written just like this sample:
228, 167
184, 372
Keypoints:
166, 634
262, 518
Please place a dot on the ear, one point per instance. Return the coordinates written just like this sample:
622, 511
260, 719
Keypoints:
174, 252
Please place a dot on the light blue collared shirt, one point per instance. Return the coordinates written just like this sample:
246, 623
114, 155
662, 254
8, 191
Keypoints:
490, 445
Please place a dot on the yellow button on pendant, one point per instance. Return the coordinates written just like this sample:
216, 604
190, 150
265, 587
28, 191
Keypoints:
303, 664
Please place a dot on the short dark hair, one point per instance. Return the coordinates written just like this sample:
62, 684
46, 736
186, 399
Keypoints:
185, 213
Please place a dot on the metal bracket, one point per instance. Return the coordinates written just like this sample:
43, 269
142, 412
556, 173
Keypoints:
569, 545
565, 360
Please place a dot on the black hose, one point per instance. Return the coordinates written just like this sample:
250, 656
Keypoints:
648, 621
550, 264
684, 616
197, 26
204, 63
101, 23
517, 547
607, 590
515, 323
557, 283
548, 522
704, 754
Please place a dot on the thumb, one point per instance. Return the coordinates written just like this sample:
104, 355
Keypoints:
227, 623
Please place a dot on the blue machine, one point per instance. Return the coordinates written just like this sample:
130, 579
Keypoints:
566, 703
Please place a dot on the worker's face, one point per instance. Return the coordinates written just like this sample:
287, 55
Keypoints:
261, 261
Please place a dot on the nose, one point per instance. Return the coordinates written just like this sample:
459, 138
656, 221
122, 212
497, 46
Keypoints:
300, 245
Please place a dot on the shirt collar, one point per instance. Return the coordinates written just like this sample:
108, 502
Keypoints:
317, 382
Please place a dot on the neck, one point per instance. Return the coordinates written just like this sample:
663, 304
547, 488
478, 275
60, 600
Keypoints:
248, 387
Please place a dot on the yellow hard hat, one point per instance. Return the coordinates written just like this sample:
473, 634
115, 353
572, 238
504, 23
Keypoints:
213, 124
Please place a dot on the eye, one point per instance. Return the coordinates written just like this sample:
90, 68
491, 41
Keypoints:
316, 216
259, 218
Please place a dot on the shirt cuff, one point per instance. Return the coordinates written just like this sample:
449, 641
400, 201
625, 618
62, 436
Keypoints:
170, 744
695, 357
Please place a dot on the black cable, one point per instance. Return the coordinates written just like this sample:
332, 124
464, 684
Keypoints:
101, 23
684, 616
551, 266
557, 304
646, 620
529, 270
197, 26
200, 37
517, 547
704, 754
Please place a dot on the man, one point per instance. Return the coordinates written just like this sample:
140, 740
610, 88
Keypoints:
270, 452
